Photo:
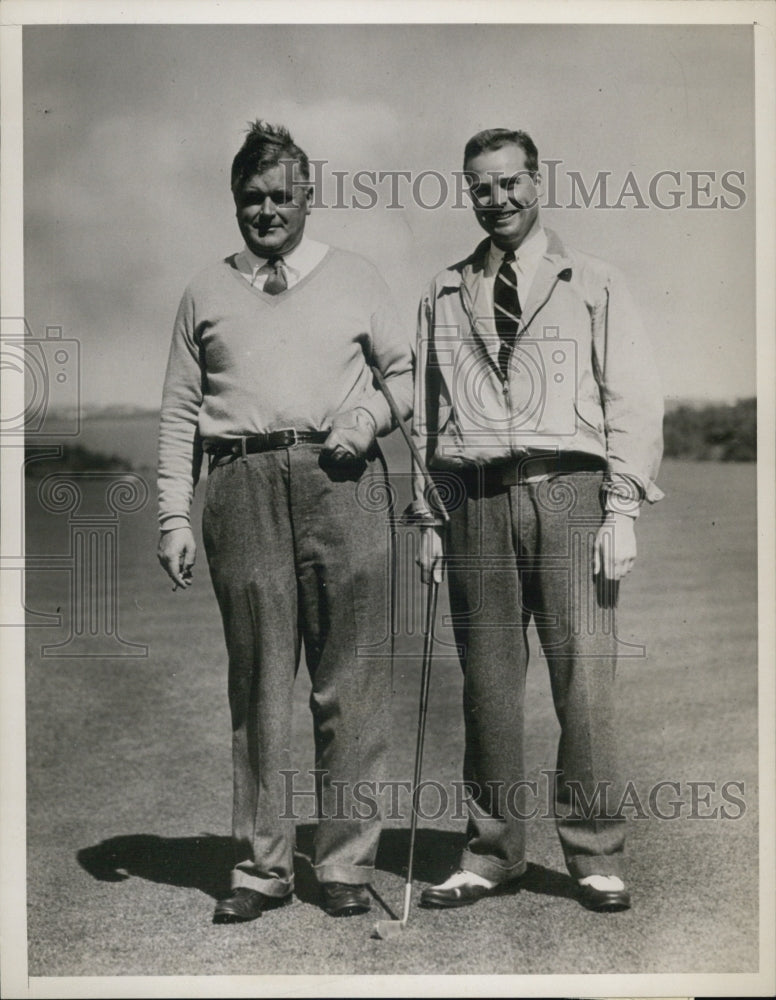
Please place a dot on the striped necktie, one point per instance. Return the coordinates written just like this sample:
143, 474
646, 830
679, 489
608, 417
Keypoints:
507, 310
277, 281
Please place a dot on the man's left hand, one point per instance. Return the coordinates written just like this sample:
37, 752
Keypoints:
614, 552
352, 435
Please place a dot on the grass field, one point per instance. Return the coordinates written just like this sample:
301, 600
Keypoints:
129, 793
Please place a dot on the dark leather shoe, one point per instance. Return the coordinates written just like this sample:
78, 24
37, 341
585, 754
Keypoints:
343, 900
459, 895
246, 904
603, 900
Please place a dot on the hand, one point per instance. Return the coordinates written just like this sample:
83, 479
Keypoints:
432, 556
614, 552
352, 435
177, 553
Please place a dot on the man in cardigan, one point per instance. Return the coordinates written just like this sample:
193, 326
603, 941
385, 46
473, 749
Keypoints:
536, 390
269, 375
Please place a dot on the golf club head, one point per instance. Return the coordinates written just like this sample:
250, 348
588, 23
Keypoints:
385, 929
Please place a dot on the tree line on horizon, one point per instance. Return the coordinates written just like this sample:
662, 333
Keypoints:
714, 432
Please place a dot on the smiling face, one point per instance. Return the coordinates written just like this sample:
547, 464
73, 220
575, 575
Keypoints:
505, 194
272, 208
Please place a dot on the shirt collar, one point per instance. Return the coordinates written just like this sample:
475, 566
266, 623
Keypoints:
472, 268
301, 259
529, 251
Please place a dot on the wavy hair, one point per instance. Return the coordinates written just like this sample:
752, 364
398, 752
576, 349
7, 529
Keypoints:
265, 146
495, 138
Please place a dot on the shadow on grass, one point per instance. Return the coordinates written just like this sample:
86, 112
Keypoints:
204, 862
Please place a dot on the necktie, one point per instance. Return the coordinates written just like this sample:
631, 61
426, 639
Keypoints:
507, 309
277, 281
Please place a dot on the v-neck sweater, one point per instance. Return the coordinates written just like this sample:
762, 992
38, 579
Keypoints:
244, 362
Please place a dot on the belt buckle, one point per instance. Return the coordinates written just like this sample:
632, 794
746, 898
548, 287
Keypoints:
511, 474
291, 437
513, 471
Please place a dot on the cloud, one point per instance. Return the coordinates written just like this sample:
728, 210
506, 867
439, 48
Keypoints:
129, 135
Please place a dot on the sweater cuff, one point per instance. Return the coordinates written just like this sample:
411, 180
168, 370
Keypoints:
173, 521
378, 409
623, 495
369, 416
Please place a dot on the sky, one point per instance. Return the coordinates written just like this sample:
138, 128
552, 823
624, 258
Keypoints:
129, 133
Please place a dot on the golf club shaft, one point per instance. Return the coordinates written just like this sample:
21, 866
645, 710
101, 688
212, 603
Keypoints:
428, 647
430, 484
428, 638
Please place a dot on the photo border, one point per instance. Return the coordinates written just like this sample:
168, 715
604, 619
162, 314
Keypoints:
13, 940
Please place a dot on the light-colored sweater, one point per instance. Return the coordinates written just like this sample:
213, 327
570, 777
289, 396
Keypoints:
243, 362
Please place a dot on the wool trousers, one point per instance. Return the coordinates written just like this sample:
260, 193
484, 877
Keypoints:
517, 553
297, 558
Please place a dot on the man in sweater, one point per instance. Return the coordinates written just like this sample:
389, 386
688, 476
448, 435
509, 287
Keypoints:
536, 390
269, 375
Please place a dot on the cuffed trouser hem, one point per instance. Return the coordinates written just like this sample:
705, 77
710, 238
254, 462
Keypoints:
349, 874
486, 868
588, 864
274, 887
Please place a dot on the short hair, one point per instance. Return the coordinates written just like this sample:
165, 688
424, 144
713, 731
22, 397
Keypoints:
495, 138
265, 146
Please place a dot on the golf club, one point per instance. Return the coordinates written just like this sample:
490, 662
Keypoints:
431, 489
391, 928
384, 929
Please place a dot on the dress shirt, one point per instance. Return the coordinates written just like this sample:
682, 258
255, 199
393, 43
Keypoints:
297, 264
527, 257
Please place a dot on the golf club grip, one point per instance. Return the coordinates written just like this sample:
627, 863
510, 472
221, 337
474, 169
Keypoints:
430, 484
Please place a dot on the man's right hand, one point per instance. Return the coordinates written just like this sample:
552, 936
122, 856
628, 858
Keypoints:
432, 556
177, 553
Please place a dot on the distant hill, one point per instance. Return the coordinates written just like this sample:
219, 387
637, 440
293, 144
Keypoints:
40, 460
126, 434
110, 412
106, 412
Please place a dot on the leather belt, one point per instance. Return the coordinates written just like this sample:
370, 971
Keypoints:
530, 468
286, 437
535, 467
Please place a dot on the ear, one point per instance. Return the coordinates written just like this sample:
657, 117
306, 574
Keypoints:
308, 195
